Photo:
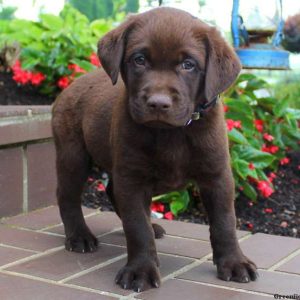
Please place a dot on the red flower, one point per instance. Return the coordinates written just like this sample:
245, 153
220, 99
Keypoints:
169, 216
238, 124
298, 167
251, 166
230, 124
284, 161
37, 78
100, 187
76, 68
19, 75
63, 82
226, 108
95, 60
156, 206
272, 176
268, 210
90, 179
268, 137
22, 76
250, 225
259, 125
265, 189
233, 124
271, 149
17, 66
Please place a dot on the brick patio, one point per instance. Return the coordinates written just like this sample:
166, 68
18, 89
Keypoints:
34, 264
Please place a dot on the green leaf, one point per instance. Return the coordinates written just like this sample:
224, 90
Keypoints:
28, 63
256, 84
280, 107
177, 200
259, 158
237, 137
293, 113
180, 203
242, 168
51, 22
245, 77
83, 64
4, 25
249, 190
166, 197
276, 132
292, 132
261, 174
100, 27
267, 102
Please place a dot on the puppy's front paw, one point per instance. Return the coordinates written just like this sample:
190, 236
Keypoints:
236, 268
82, 241
139, 275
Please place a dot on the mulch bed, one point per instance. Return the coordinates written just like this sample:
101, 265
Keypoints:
13, 94
279, 214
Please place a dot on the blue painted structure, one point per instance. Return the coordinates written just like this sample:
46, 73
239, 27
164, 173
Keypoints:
258, 56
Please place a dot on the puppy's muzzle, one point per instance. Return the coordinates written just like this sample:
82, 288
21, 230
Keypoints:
159, 103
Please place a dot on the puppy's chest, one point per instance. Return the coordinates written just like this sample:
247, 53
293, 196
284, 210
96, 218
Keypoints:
170, 167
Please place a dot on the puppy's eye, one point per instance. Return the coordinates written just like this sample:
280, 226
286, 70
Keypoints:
140, 59
188, 64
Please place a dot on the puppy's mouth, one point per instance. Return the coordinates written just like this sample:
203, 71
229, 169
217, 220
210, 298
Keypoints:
167, 120
159, 124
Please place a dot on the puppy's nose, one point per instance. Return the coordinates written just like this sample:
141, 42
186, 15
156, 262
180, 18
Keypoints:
159, 103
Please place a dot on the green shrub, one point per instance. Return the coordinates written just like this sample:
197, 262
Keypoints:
58, 47
269, 127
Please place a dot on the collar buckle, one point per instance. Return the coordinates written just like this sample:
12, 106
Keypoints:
201, 109
196, 116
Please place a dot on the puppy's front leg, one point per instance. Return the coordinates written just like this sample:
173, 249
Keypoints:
141, 270
217, 192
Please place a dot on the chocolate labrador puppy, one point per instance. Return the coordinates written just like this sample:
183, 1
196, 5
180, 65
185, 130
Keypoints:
152, 131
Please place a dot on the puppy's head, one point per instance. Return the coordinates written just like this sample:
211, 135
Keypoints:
170, 62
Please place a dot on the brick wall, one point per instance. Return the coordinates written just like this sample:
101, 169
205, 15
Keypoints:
27, 159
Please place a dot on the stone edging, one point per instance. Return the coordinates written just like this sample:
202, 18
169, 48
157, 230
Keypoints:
27, 159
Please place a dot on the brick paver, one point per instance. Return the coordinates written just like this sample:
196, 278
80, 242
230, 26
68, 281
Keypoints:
268, 282
98, 223
103, 279
266, 250
9, 254
292, 266
34, 264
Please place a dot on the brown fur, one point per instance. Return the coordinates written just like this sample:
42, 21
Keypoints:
134, 130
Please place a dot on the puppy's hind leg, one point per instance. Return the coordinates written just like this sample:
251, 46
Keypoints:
72, 164
159, 231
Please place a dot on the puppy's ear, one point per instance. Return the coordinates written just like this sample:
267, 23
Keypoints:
222, 65
111, 48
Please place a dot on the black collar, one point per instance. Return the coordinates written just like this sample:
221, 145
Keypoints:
201, 109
